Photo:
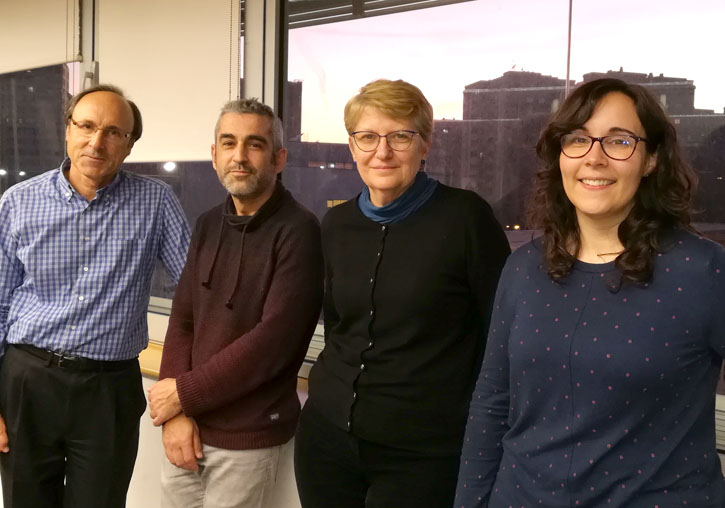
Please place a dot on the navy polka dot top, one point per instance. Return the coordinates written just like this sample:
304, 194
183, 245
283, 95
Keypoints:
597, 395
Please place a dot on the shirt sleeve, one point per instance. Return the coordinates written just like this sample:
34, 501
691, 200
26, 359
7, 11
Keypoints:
489, 409
275, 344
11, 268
174, 237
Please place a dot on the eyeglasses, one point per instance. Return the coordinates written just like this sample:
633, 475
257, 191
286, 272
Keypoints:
619, 147
88, 129
397, 140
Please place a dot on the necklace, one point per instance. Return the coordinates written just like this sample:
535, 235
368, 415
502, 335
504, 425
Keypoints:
601, 255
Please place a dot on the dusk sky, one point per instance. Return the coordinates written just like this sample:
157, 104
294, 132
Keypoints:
442, 49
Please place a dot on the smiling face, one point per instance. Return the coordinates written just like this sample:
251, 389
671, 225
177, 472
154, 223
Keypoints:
95, 159
245, 161
386, 172
602, 189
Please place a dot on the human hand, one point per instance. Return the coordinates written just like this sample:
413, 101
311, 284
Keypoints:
164, 401
182, 445
3, 437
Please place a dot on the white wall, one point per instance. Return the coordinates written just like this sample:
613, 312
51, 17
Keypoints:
178, 60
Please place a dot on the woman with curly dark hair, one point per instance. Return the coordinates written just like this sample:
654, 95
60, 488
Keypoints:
598, 381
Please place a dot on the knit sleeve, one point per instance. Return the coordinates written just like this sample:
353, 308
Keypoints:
487, 250
176, 357
489, 409
329, 312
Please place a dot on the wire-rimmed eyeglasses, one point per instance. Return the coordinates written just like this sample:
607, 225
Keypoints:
88, 129
368, 141
619, 147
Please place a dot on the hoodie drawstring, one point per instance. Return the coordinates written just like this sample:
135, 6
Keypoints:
270, 207
207, 282
239, 269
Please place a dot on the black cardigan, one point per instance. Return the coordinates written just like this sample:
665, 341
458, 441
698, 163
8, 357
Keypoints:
407, 307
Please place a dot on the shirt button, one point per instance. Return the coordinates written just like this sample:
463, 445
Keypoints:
384, 228
379, 254
371, 312
371, 280
362, 366
85, 268
86, 238
370, 344
81, 298
73, 327
348, 424
354, 395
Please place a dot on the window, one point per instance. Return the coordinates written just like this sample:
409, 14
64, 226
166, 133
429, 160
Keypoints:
492, 90
180, 65
32, 131
494, 72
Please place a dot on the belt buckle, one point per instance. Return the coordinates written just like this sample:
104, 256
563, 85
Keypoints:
55, 358
58, 359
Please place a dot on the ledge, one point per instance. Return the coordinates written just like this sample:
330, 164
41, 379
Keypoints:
150, 360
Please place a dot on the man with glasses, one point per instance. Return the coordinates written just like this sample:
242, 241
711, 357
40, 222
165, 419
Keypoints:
78, 246
243, 315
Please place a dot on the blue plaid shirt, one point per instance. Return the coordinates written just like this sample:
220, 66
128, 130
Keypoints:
75, 275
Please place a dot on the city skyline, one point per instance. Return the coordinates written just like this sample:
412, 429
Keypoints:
443, 49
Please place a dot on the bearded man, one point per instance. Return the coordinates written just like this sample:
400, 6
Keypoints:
242, 318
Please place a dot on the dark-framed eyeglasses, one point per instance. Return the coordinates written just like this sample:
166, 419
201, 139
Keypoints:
88, 129
368, 141
619, 147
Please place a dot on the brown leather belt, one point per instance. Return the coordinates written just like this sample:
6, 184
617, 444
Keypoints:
71, 362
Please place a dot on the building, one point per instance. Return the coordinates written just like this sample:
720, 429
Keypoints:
32, 130
492, 149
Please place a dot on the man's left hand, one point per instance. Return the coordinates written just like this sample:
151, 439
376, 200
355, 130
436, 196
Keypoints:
182, 444
164, 401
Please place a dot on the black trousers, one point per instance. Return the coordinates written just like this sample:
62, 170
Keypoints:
335, 469
73, 435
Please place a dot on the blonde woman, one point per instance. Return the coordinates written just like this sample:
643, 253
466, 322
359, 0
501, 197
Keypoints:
411, 270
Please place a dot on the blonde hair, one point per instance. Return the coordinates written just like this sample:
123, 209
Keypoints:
396, 99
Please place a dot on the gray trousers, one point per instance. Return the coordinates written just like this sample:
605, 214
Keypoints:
226, 479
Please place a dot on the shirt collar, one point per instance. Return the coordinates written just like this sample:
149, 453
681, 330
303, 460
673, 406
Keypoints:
64, 187
67, 190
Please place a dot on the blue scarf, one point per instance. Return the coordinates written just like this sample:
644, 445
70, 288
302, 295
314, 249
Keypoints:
411, 200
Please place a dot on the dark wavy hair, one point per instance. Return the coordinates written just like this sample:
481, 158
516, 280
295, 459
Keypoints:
662, 202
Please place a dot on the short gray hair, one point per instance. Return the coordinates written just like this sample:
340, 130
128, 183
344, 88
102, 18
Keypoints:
254, 107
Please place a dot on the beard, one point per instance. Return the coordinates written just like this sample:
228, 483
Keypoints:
253, 184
